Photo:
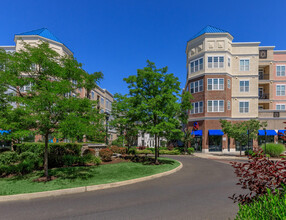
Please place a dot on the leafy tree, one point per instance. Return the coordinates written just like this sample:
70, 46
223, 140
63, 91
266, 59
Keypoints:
241, 131
154, 101
123, 119
46, 86
91, 81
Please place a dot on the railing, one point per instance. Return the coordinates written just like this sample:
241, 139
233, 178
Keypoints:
264, 76
264, 96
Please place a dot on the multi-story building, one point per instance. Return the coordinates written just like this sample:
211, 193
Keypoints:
104, 97
148, 140
236, 81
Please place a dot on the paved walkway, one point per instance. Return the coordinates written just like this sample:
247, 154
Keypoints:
199, 190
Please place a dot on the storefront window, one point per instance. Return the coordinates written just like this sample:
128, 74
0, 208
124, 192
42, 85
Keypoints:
215, 143
261, 139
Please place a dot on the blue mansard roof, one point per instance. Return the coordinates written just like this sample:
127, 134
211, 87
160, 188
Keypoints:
208, 29
43, 32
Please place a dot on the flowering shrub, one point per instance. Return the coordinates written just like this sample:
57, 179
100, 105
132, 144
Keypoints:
122, 150
257, 175
105, 154
114, 149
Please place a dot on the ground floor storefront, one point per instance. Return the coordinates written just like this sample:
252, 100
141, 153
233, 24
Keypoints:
209, 137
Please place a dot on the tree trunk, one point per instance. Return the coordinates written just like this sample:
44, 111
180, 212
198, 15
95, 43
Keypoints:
156, 151
46, 166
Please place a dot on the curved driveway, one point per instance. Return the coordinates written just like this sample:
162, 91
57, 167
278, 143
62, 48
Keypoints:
199, 190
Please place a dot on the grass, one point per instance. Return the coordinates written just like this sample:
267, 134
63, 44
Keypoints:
71, 177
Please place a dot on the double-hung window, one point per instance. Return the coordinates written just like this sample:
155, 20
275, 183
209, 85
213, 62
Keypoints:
228, 105
228, 62
197, 107
216, 62
197, 65
280, 107
244, 65
196, 86
280, 90
201, 86
243, 107
228, 83
216, 84
192, 87
216, 106
244, 86
92, 95
280, 70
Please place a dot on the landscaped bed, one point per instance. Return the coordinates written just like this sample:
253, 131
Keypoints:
70, 177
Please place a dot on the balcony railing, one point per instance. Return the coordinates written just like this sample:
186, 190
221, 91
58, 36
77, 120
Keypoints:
264, 96
264, 76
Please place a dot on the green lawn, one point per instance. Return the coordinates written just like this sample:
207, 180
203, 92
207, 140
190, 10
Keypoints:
82, 176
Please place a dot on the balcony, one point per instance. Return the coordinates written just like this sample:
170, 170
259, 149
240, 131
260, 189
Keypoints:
263, 76
263, 96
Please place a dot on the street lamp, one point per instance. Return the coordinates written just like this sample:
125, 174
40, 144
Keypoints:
265, 138
107, 118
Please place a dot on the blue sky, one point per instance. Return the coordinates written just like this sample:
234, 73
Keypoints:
118, 36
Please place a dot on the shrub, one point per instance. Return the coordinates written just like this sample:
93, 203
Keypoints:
26, 166
8, 157
92, 159
118, 142
170, 147
151, 149
69, 160
257, 175
114, 149
88, 151
248, 152
28, 156
163, 148
144, 152
170, 152
274, 150
122, 150
105, 154
191, 150
142, 148
132, 151
270, 206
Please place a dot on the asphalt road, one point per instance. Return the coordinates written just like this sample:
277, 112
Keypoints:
199, 190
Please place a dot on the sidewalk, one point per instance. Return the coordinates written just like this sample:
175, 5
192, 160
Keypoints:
219, 155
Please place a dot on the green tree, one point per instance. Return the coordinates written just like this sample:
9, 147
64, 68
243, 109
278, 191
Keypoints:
154, 102
46, 86
241, 131
123, 119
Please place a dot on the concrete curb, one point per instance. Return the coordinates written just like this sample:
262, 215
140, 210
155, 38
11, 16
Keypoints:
82, 189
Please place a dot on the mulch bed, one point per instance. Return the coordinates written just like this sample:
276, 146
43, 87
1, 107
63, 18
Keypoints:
113, 161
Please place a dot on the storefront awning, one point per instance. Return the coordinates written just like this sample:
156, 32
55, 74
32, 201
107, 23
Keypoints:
268, 133
197, 133
281, 132
4, 132
216, 133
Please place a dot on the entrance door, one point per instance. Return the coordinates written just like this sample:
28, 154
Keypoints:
215, 143
197, 143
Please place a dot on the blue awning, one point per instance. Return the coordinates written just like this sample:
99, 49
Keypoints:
4, 131
268, 133
216, 133
281, 132
197, 133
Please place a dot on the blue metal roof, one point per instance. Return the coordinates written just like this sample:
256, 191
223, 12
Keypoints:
268, 133
208, 29
43, 32
216, 133
197, 133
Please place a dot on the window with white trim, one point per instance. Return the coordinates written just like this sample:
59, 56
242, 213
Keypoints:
244, 65
228, 105
244, 86
92, 95
102, 101
26, 88
197, 86
228, 83
243, 107
197, 65
280, 90
197, 107
216, 62
280, 70
228, 62
280, 107
215, 84
215, 105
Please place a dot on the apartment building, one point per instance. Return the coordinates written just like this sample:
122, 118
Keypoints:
236, 81
103, 96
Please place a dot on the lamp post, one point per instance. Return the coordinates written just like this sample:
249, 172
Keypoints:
265, 138
106, 117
